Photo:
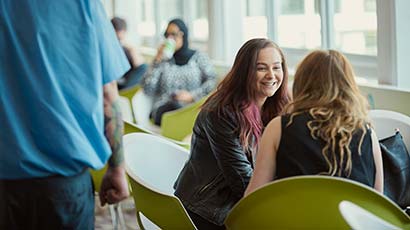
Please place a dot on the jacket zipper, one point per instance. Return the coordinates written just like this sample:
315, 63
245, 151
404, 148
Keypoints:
207, 185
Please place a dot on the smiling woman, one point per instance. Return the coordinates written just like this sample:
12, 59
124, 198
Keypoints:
269, 74
227, 132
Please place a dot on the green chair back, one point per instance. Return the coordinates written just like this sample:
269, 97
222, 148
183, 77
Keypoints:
97, 176
152, 171
309, 202
164, 210
130, 92
178, 124
133, 128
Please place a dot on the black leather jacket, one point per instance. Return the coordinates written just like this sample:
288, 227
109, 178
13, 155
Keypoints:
218, 171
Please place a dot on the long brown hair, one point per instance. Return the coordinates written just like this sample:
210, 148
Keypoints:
237, 92
325, 87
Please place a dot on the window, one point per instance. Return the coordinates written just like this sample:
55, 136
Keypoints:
168, 10
337, 6
292, 7
200, 29
356, 27
370, 5
146, 27
255, 22
299, 25
370, 39
155, 15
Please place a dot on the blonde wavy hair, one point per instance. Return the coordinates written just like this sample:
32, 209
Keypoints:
325, 87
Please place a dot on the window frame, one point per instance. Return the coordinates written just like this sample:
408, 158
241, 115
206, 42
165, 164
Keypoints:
225, 36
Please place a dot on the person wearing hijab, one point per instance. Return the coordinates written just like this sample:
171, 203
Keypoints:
180, 80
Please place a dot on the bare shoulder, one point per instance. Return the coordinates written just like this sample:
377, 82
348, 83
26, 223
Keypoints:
272, 133
274, 124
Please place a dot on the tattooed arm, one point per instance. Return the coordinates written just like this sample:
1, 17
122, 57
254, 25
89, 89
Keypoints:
113, 124
114, 187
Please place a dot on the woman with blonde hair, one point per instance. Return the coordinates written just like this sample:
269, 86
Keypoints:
325, 130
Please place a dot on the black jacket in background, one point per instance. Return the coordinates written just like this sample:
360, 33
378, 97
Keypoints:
218, 171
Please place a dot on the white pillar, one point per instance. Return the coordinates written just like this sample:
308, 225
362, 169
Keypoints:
393, 36
225, 23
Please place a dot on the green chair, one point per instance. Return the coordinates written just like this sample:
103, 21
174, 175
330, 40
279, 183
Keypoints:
309, 202
97, 176
129, 92
152, 171
128, 112
179, 123
175, 124
133, 128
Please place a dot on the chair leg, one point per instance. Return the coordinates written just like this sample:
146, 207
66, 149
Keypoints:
139, 221
120, 218
117, 217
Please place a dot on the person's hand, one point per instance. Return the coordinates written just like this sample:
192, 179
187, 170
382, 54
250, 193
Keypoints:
183, 96
160, 53
114, 186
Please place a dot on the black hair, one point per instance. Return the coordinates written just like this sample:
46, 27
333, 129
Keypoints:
119, 23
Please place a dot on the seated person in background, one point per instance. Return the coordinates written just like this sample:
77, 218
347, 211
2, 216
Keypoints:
326, 130
138, 67
227, 131
184, 78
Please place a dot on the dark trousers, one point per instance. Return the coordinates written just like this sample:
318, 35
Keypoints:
47, 203
169, 106
133, 77
202, 224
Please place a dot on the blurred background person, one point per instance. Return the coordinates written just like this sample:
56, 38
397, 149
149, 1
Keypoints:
138, 67
177, 80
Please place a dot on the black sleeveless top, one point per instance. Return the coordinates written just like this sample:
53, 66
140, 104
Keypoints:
300, 154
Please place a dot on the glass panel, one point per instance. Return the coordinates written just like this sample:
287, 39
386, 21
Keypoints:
200, 22
370, 5
146, 27
292, 6
356, 27
255, 22
168, 10
299, 24
337, 4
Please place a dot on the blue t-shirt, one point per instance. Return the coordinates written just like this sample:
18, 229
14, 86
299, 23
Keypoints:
55, 57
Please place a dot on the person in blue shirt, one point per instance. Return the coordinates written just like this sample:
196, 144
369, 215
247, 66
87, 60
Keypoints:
60, 115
